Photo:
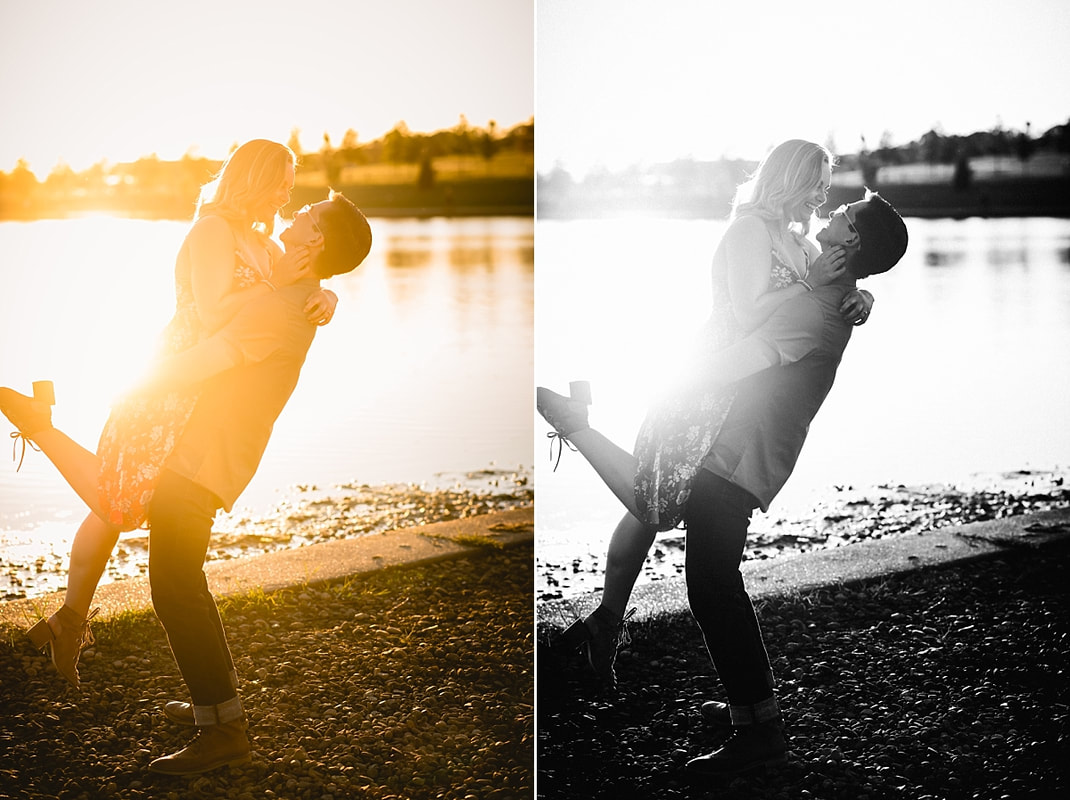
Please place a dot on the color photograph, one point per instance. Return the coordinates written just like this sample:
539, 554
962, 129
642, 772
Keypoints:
267, 313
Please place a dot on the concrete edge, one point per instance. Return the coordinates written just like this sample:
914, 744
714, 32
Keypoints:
853, 563
312, 564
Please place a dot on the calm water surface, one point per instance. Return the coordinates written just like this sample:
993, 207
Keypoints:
962, 371
423, 376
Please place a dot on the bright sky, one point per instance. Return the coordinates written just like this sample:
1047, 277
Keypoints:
119, 79
648, 80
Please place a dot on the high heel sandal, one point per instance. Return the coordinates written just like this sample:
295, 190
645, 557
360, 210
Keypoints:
67, 645
30, 415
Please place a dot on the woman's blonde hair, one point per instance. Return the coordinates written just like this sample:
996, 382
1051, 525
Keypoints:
784, 179
249, 176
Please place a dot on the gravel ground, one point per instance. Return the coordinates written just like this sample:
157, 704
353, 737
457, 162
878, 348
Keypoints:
944, 683
413, 682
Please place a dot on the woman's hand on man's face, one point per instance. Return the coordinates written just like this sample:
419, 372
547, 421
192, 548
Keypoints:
827, 267
295, 264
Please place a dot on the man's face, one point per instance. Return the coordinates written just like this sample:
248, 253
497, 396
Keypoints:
841, 228
305, 231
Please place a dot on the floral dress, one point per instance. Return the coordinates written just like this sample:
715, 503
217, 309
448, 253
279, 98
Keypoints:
680, 430
143, 429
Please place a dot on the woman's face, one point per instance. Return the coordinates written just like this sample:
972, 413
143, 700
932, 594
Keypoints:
280, 197
816, 197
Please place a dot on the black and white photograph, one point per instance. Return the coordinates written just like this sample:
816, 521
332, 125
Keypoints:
802, 295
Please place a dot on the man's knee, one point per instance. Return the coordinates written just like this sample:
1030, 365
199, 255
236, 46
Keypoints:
165, 600
714, 593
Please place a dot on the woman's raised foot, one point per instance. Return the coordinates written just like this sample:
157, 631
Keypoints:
66, 633
29, 414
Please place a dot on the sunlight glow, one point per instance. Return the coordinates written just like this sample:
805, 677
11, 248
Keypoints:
650, 80
119, 79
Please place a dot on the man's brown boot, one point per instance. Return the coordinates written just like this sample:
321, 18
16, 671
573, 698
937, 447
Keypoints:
214, 746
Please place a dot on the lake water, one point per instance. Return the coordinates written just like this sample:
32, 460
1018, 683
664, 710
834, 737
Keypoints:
423, 376
961, 374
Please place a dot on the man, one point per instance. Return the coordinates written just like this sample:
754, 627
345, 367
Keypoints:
785, 369
216, 457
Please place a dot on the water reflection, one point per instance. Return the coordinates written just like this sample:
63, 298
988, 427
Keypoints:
961, 369
426, 369
1008, 257
943, 258
400, 257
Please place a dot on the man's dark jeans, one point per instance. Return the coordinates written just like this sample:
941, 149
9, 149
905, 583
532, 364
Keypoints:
717, 517
181, 514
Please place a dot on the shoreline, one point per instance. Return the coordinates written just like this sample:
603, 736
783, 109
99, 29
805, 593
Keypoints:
845, 515
315, 515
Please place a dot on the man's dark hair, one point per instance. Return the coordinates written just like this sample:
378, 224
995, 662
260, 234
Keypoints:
883, 234
347, 237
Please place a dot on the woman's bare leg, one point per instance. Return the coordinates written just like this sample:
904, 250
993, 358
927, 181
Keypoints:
627, 552
614, 465
90, 552
79, 467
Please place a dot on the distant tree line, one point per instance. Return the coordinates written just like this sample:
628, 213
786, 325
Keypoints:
402, 146
153, 187
706, 188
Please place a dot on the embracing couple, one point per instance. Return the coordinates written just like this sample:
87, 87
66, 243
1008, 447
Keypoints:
189, 438
725, 439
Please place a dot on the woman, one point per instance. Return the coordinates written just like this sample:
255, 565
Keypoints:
226, 260
763, 260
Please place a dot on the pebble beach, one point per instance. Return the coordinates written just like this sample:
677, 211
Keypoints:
945, 682
409, 682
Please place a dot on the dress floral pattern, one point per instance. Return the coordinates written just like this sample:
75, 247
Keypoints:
142, 429
679, 431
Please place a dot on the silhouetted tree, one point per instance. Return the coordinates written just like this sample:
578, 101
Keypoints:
332, 170
830, 143
1025, 144
426, 177
962, 178
868, 164
294, 142
62, 180
463, 134
22, 175
488, 143
394, 143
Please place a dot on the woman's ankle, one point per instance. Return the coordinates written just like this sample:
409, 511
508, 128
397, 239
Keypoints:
606, 615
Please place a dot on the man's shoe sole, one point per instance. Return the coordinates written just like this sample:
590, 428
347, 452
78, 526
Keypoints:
233, 762
707, 772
